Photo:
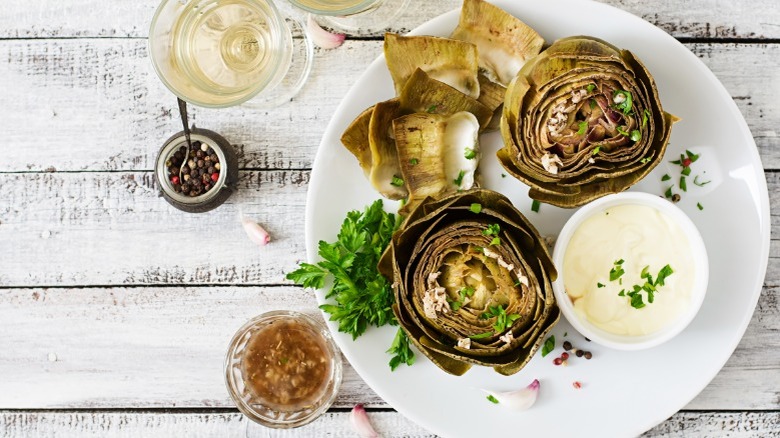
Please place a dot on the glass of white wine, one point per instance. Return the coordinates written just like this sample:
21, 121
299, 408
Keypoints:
220, 53
354, 16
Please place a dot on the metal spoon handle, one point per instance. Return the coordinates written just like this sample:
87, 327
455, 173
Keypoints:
185, 121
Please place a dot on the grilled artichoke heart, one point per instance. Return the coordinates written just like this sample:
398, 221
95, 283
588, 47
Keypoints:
471, 288
582, 120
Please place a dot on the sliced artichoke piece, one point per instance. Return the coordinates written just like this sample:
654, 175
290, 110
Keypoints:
471, 288
385, 173
582, 120
355, 139
491, 94
423, 94
503, 41
450, 61
437, 154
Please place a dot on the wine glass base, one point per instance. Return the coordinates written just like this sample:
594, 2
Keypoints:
373, 21
300, 68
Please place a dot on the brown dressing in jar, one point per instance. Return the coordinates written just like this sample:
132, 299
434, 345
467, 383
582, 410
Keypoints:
286, 365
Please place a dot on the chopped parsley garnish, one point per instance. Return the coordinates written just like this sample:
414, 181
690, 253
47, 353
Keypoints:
668, 194
700, 183
432, 108
593, 103
470, 153
475, 208
616, 271
596, 150
683, 184
459, 180
462, 294
583, 128
396, 181
645, 160
492, 230
549, 345
622, 130
503, 175
414, 161
599, 285
666, 177
636, 135
361, 295
627, 104
644, 118
481, 335
686, 171
590, 88
496, 241
492, 399
649, 287
693, 157
699, 206
503, 320
535, 206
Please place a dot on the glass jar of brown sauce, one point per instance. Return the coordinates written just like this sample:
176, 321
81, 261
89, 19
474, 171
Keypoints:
283, 369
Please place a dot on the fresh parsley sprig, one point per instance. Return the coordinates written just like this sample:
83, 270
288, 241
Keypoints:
361, 294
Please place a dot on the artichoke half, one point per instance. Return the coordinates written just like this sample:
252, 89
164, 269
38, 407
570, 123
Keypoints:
472, 282
582, 120
372, 139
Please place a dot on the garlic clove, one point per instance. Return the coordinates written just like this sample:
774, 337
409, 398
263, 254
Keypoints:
321, 37
255, 232
360, 424
519, 400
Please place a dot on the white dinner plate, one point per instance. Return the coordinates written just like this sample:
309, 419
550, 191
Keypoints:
623, 393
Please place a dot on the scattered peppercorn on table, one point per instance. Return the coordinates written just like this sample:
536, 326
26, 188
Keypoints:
116, 309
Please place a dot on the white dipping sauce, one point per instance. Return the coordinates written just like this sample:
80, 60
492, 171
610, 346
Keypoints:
641, 236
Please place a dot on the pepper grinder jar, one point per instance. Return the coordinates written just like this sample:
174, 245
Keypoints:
199, 176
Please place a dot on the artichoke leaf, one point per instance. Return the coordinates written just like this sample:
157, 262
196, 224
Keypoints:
423, 94
432, 153
450, 61
355, 139
385, 173
503, 41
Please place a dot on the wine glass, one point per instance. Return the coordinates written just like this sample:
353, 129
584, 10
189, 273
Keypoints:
354, 16
220, 53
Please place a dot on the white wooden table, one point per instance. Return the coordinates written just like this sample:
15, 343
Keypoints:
114, 322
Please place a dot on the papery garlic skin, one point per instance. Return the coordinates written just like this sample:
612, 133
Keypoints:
519, 400
360, 424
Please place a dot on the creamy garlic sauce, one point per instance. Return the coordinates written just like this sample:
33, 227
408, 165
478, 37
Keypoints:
641, 236
457, 79
460, 133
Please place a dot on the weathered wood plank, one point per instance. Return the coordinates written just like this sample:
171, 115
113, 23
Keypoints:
112, 228
91, 18
97, 105
144, 347
332, 424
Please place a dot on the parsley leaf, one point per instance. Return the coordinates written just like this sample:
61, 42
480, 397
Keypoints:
583, 128
396, 181
492, 399
400, 350
470, 153
535, 206
476, 208
627, 104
